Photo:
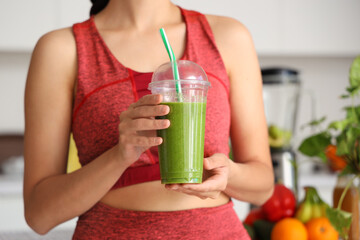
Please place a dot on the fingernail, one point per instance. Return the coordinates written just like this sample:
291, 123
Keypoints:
166, 123
159, 97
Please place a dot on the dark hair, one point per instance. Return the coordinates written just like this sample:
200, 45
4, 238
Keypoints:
97, 6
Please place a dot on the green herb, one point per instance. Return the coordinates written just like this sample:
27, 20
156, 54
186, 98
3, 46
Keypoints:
314, 146
345, 135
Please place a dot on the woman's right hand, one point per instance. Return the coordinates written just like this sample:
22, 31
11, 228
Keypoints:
137, 127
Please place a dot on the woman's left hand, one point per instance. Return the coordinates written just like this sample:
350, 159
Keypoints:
216, 172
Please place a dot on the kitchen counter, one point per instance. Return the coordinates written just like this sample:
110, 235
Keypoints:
28, 235
11, 203
12, 219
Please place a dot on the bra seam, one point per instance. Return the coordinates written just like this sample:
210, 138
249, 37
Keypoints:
76, 110
219, 80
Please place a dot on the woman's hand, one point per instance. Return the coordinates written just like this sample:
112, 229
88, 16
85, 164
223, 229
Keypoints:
216, 172
137, 127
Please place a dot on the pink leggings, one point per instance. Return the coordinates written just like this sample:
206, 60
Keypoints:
105, 222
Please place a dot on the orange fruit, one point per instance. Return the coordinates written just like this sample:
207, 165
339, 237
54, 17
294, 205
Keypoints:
289, 229
336, 163
321, 229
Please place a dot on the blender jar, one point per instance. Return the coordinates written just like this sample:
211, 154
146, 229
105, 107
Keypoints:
281, 96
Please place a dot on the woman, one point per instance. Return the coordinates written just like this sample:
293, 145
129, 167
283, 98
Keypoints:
91, 80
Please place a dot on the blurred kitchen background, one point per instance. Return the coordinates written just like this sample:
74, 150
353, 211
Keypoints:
317, 38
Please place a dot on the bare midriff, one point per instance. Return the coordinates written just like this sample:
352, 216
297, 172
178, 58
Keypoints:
153, 196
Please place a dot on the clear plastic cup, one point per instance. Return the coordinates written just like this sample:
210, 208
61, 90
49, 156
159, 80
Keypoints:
182, 151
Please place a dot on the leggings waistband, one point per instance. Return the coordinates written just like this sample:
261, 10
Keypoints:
105, 222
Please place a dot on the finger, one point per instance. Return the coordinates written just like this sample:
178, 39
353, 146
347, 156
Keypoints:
149, 111
172, 186
201, 187
214, 183
143, 124
202, 195
140, 140
206, 186
215, 161
151, 99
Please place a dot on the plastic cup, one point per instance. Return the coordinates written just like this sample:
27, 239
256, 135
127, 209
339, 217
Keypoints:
182, 151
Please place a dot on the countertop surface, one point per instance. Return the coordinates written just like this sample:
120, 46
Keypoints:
28, 235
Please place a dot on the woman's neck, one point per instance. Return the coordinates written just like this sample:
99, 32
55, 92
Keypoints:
139, 14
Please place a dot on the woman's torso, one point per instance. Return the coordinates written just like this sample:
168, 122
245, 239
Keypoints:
149, 196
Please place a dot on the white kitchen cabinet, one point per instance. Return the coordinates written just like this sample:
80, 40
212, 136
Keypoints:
278, 27
321, 27
293, 27
259, 16
73, 11
23, 22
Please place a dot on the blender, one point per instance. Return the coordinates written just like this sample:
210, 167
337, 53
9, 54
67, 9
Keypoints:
281, 87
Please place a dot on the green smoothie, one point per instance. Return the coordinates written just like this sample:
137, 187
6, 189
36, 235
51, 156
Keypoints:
182, 151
